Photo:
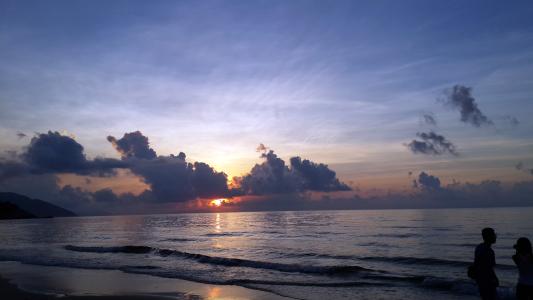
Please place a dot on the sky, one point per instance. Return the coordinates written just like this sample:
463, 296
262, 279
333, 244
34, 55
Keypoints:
381, 92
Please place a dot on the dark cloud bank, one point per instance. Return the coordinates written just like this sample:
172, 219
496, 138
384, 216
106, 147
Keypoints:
271, 185
171, 178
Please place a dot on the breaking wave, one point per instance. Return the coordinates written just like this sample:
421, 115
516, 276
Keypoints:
223, 261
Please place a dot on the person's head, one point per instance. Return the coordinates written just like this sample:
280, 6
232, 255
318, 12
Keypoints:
523, 246
489, 236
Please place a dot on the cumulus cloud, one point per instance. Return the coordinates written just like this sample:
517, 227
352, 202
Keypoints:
133, 144
316, 176
270, 177
171, 178
426, 181
460, 97
55, 153
432, 143
273, 176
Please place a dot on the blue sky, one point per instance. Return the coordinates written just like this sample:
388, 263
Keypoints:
340, 82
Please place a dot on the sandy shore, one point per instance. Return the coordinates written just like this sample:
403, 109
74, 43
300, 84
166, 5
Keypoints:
30, 282
12, 292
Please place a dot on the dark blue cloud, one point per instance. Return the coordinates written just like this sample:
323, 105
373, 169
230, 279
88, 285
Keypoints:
432, 143
460, 97
55, 153
171, 178
316, 176
274, 177
427, 182
133, 144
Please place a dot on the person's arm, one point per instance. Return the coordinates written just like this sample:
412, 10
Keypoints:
492, 259
493, 264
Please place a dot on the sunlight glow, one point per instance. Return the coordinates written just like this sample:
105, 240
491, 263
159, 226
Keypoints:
218, 202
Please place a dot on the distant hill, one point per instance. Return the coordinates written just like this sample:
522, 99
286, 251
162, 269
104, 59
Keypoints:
11, 211
35, 207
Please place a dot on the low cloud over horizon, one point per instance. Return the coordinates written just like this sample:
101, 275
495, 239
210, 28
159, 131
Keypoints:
171, 179
270, 185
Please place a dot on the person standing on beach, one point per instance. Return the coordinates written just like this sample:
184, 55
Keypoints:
524, 261
484, 263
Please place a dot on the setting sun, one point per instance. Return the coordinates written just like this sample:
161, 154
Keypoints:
218, 202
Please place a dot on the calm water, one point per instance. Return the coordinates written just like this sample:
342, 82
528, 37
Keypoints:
392, 254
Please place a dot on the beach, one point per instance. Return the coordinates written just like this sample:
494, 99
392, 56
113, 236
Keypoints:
381, 254
31, 282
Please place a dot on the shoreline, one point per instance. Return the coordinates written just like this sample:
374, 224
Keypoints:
13, 292
34, 282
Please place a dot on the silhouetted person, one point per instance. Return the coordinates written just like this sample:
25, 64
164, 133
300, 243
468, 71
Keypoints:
484, 263
524, 261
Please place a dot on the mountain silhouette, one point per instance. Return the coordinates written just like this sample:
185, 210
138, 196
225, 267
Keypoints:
11, 211
34, 207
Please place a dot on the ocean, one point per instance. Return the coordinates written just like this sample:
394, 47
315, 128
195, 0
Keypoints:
378, 254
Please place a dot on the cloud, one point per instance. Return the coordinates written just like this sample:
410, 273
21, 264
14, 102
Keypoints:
55, 153
316, 177
432, 143
133, 144
274, 177
270, 177
9, 169
513, 121
520, 167
426, 181
52, 152
460, 97
261, 148
171, 178
429, 119
488, 193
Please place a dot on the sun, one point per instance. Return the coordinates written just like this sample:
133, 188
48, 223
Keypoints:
218, 202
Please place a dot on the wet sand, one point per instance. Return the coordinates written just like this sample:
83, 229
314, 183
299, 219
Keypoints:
30, 282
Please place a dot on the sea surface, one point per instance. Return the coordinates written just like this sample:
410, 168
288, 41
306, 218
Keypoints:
379, 254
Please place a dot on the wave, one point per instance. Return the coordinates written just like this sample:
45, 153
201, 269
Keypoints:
396, 235
317, 255
457, 286
224, 261
178, 240
223, 234
427, 261
119, 249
